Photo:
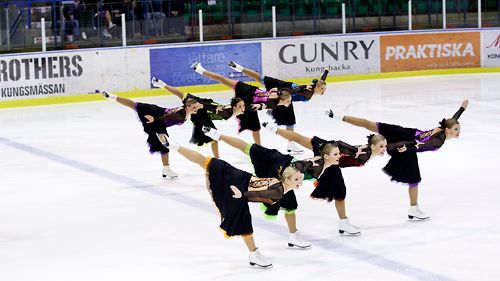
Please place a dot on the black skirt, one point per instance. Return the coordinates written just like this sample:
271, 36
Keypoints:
284, 116
402, 167
151, 129
270, 82
235, 213
200, 119
270, 163
330, 185
288, 202
249, 120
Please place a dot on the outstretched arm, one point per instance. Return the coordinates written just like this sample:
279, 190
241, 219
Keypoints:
462, 108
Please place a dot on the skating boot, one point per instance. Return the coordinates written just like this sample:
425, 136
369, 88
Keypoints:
346, 227
157, 83
414, 212
235, 66
198, 68
293, 148
257, 259
168, 173
273, 127
296, 241
333, 115
211, 133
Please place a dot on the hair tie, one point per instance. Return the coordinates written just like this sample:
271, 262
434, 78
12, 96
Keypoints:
442, 124
370, 137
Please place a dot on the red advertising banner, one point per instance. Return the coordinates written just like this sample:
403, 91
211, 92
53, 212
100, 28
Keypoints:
429, 51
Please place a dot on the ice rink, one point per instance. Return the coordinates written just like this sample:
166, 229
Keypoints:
82, 199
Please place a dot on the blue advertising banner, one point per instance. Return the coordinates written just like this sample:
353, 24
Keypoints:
172, 65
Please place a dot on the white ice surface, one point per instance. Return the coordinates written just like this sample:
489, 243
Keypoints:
81, 198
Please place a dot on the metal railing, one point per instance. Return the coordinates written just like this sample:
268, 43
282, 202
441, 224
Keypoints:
93, 23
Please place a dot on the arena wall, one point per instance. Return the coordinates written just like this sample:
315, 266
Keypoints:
28, 79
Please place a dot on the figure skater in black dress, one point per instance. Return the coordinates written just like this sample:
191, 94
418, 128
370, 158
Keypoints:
155, 120
285, 116
231, 189
210, 111
250, 95
403, 167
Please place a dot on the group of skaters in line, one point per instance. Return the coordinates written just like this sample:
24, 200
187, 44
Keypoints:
277, 175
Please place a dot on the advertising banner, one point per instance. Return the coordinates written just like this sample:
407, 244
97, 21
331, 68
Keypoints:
172, 65
27, 76
429, 51
490, 43
308, 57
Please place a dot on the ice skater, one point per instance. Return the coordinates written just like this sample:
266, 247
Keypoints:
285, 115
155, 120
250, 95
204, 116
403, 167
231, 189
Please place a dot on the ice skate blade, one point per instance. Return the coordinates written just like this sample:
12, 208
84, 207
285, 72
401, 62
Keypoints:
297, 247
169, 178
254, 265
292, 152
413, 218
343, 232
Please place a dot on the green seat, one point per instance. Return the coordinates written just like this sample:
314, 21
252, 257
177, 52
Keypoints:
491, 4
422, 7
362, 10
451, 6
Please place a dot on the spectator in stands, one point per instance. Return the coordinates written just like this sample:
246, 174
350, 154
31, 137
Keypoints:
176, 19
79, 8
106, 9
70, 25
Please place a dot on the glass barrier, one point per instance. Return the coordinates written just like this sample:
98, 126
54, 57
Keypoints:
98, 23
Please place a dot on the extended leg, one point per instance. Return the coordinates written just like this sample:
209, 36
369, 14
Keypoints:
296, 137
160, 84
256, 137
193, 156
254, 74
360, 122
126, 102
234, 142
215, 148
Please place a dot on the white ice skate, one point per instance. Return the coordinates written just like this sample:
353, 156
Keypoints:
211, 133
157, 83
163, 138
257, 259
334, 115
297, 242
198, 67
414, 212
168, 173
346, 227
106, 94
293, 148
235, 66
273, 127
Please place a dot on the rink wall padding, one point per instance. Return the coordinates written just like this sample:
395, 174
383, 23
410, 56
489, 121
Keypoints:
56, 77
